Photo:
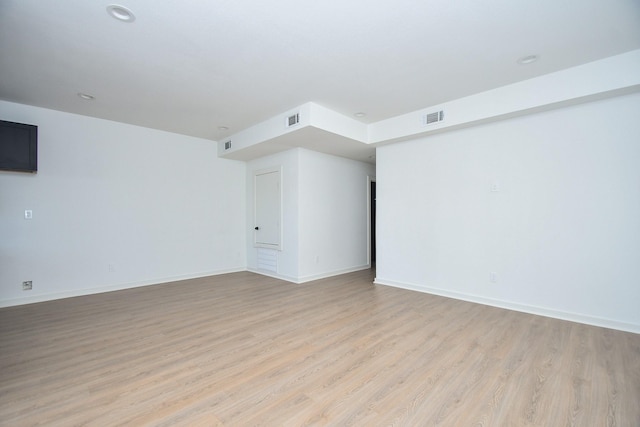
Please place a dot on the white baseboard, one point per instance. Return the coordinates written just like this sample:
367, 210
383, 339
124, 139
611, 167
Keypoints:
312, 277
272, 274
524, 308
110, 288
130, 285
304, 279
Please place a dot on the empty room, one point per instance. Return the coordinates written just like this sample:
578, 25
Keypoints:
289, 213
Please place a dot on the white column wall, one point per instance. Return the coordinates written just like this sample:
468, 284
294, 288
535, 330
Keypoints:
288, 257
333, 215
324, 224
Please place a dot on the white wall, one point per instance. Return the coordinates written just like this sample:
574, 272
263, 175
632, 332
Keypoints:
324, 214
333, 215
562, 234
155, 206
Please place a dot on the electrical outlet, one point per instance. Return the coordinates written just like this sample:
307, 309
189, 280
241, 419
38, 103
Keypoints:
493, 277
27, 286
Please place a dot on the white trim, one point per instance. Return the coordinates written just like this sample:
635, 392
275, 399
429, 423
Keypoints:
310, 278
271, 274
332, 273
110, 288
524, 308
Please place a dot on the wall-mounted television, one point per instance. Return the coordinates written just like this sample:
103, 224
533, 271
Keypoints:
18, 147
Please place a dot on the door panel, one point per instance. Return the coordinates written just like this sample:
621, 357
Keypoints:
268, 204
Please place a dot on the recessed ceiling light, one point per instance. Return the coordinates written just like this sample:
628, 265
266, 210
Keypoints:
121, 13
222, 128
360, 114
86, 96
527, 59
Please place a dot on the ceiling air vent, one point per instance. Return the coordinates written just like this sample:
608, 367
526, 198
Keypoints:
227, 145
431, 118
293, 120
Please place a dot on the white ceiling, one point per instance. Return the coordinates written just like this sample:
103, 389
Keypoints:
192, 66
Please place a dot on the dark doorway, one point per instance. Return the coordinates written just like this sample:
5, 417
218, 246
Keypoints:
373, 223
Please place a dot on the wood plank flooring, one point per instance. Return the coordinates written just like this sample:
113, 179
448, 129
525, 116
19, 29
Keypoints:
246, 350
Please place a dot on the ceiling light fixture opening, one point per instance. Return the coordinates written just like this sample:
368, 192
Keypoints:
86, 96
527, 59
360, 114
222, 128
121, 13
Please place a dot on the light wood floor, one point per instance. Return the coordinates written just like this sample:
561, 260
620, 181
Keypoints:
243, 350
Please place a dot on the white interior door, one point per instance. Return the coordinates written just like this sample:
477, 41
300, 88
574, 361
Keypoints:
268, 208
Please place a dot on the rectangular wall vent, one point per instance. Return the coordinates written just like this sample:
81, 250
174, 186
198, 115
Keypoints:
293, 120
268, 260
434, 117
227, 145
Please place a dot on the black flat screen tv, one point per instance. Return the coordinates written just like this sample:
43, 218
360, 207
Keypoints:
18, 147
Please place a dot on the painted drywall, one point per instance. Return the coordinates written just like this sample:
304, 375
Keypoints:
116, 206
330, 121
265, 131
333, 214
599, 79
324, 227
608, 77
559, 237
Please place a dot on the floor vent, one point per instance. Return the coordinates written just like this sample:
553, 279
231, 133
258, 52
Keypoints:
432, 118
